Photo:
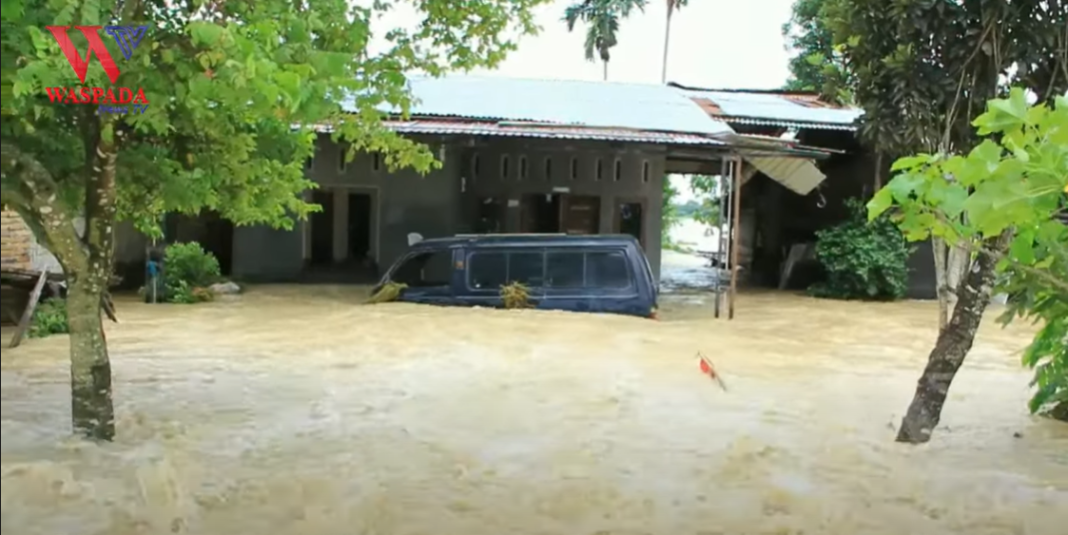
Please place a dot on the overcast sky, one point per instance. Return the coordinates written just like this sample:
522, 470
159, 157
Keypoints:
715, 43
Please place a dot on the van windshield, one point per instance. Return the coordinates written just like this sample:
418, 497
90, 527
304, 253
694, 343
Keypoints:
423, 270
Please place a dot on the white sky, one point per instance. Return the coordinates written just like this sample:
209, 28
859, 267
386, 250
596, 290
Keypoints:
714, 43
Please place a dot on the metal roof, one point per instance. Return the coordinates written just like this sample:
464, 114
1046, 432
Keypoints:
797, 174
547, 131
650, 108
771, 108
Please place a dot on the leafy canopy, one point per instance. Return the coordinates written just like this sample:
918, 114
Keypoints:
923, 70
817, 63
1015, 180
234, 89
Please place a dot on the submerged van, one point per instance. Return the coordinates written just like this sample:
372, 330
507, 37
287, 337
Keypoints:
593, 273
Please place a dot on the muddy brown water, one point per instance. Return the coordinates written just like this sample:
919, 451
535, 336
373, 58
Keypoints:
291, 410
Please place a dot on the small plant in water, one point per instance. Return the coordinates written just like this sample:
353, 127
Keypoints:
387, 293
515, 295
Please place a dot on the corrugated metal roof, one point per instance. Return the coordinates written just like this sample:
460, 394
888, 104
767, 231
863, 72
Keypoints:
797, 174
788, 124
596, 104
770, 107
543, 131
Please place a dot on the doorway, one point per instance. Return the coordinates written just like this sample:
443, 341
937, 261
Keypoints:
581, 214
629, 220
359, 227
540, 214
322, 229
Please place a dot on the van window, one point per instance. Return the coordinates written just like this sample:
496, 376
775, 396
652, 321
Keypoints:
425, 270
607, 270
564, 269
486, 270
490, 270
527, 268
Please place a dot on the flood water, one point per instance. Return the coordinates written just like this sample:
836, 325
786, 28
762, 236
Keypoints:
293, 411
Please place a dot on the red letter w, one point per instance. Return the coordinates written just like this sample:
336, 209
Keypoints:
80, 66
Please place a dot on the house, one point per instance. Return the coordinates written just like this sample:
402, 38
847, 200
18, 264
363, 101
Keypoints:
536, 156
540, 156
776, 216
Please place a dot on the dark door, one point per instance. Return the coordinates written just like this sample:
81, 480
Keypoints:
581, 215
359, 226
540, 214
218, 239
322, 228
629, 220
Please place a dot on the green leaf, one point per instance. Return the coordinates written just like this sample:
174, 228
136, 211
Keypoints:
880, 203
904, 185
910, 162
1022, 248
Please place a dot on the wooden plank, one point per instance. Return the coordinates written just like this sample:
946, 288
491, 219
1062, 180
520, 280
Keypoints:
736, 233
109, 307
27, 314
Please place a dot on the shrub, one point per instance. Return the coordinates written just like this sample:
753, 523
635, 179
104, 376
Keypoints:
187, 272
49, 318
862, 260
189, 262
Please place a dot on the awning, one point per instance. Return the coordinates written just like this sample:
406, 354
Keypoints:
798, 174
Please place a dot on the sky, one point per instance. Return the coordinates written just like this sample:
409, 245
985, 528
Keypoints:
714, 44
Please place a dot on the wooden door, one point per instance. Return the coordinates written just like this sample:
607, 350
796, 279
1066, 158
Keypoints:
580, 214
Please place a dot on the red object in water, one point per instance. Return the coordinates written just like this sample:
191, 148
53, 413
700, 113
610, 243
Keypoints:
705, 368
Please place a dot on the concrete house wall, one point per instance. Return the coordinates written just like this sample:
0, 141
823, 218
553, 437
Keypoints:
445, 201
549, 170
402, 202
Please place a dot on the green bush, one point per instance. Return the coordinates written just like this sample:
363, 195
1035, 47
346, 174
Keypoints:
862, 260
187, 272
49, 318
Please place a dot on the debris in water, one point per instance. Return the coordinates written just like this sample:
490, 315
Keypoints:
515, 295
389, 292
709, 369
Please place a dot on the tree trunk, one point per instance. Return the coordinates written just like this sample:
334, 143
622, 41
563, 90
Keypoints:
92, 412
86, 261
667, 40
954, 342
604, 64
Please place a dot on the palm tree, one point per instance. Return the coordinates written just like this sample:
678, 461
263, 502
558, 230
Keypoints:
602, 23
672, 7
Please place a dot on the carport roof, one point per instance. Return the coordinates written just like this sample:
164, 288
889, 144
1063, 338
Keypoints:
578, 104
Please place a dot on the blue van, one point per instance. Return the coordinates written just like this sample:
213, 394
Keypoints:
590, 273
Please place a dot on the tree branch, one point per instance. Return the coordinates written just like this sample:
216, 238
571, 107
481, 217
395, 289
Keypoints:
33, 194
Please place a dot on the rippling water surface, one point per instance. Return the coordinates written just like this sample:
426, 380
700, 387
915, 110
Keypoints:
293, 410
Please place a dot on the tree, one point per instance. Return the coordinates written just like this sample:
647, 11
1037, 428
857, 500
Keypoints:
707, 188
602, 24
215, 108
1001, 202
924, 70
817, 63
672, 7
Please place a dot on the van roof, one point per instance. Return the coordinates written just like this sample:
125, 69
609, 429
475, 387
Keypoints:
527, 240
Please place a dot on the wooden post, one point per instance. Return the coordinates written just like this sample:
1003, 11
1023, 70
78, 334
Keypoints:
736, 233
27, 313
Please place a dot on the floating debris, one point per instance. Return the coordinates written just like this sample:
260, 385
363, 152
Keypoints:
709, 369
